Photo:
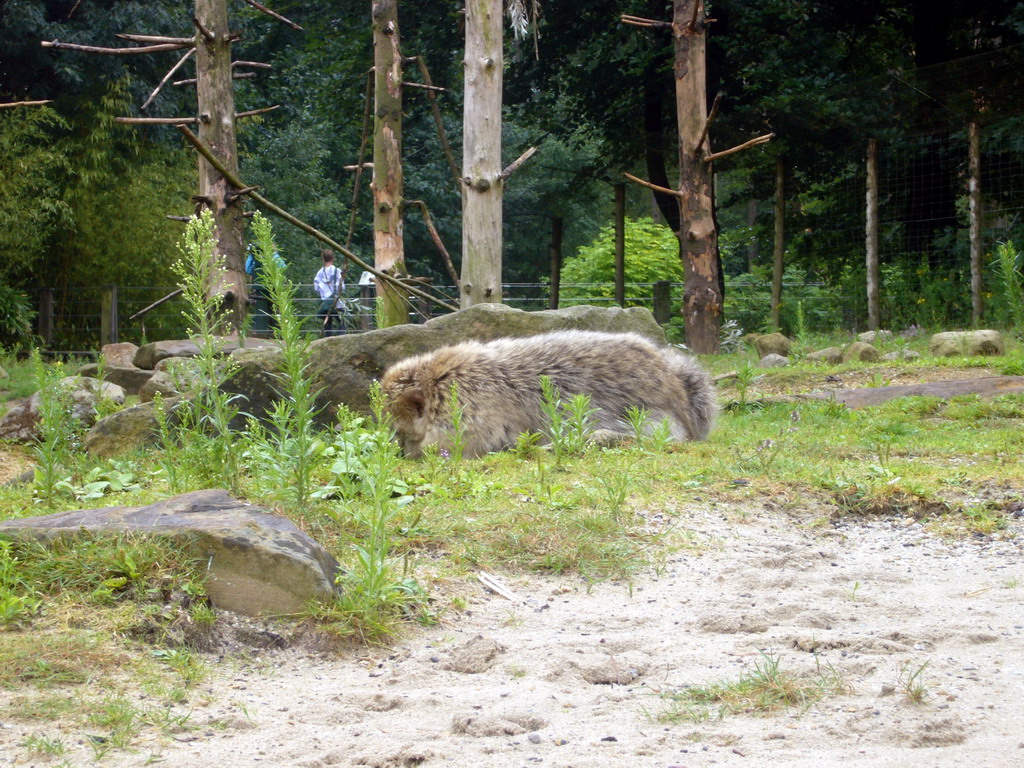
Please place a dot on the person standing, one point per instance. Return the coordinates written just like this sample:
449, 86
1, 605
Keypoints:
329, 284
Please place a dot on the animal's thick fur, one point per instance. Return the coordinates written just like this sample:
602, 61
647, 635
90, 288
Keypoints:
500, 393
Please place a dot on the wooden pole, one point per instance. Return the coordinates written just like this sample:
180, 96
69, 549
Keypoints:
109, 333
387, 184
698, 232
215, 98
620, 244
367, 298
974, 192
482, 185
556, 261
871, 234
662, 301
779, 250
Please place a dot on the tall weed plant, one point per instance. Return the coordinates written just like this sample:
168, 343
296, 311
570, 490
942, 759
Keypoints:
374, 594
1010, 271
58, 430
204, 441
296, 445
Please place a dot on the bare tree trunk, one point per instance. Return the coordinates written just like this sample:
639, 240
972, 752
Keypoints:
974, 192
481, 155
698, 236
216, 110
620, 244
388, 245
752, 248
871, 234
779, 249
556, 260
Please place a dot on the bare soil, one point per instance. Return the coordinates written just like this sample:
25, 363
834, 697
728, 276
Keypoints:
568, 676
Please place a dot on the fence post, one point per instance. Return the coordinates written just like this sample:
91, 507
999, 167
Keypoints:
871, 233
108, 315
662, 302
974, 192
368, 300
780, 240
556, 261
45, 319
620, 244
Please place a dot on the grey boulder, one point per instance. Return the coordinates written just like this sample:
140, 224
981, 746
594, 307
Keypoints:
259, 563
967, 343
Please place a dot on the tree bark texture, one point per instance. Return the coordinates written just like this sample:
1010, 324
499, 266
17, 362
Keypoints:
216, 114
556, 260
974, 193
779, 247
620, 244
388, 242
871, 235
482, 184
698, 236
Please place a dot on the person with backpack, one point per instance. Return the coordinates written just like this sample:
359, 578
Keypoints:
329, 284
263, 320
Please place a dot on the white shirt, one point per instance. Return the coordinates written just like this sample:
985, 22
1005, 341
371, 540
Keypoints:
329, 282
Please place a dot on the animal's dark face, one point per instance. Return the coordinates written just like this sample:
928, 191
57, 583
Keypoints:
408, 409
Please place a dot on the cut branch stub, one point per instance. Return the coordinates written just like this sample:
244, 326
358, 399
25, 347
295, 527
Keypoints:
745, 145
116, 51
519, 161
273, 14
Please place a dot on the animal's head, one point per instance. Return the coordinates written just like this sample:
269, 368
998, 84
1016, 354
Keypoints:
413, 410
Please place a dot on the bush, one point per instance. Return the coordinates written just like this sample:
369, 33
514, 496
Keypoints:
16, 317
652, 254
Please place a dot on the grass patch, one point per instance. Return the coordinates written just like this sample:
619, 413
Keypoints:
763, 690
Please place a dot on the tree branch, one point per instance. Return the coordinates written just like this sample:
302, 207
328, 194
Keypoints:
12, 104
167, 77
655, 187
436, 238
116, 51
424, 86
238, 184
519, 161
707, 123
252, 112
153, 38
155, 120
234, 76
638, 21
439, 124
358, 167
271, 13
253, 64
207, 34
745, 145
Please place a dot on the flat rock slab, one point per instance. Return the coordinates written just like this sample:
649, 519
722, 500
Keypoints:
131, 380
150, 354
987, 386
259, 563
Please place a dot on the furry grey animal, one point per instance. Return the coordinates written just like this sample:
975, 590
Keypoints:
500, 392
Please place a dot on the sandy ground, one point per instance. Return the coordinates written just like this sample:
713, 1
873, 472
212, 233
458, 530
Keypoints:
568, 677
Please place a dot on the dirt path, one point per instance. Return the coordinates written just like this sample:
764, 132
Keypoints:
571, 678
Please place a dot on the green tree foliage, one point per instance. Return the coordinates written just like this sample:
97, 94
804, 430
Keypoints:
651, 252
120, 190
32, 205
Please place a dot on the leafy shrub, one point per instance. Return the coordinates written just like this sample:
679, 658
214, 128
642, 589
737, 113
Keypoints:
652, 254
16, 318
